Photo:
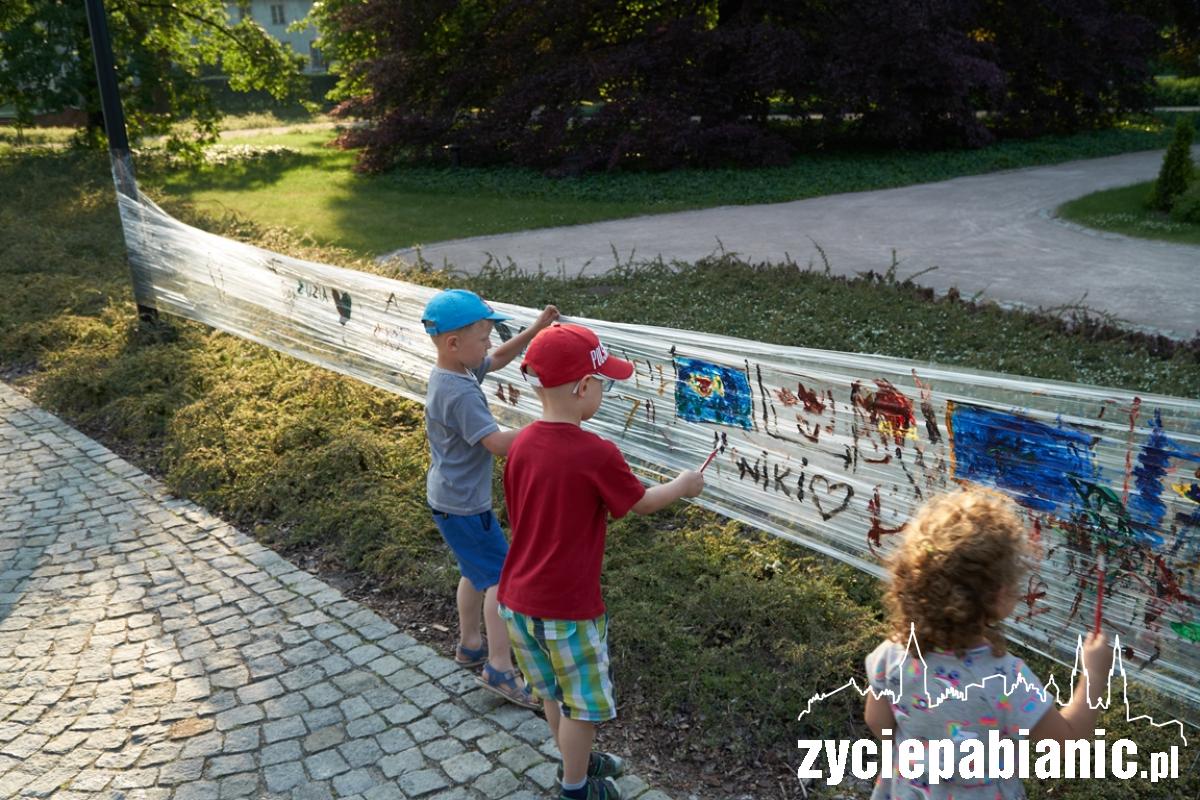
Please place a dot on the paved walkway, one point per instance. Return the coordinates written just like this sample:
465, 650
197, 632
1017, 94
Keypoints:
150, 651
993, 233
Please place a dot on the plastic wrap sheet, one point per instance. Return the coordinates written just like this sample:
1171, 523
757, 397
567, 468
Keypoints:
830, 450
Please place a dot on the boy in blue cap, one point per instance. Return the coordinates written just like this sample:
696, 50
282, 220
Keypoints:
463, 437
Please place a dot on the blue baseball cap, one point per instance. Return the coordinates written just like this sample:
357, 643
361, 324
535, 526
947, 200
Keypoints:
452, 309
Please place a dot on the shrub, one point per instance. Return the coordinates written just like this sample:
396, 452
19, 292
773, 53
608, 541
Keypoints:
312, 90
1168, 91
1186, 207
1177, 168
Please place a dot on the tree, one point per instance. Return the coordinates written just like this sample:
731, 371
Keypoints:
1071, 64
161, 47
589, 84
913, 72
1182, 34
572, 85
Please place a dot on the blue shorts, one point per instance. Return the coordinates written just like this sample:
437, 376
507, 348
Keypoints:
477, 542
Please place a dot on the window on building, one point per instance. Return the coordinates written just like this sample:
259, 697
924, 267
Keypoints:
316, 58
244, 13
277, 17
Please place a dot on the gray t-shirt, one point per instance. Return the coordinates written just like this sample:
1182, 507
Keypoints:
456, 418
986, 708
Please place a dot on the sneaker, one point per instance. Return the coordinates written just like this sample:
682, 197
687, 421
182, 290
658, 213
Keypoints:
597, 789
600, 765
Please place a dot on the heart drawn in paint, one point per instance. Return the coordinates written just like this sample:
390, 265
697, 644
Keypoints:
831, 489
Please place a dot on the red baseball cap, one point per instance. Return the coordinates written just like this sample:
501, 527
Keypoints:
564, 352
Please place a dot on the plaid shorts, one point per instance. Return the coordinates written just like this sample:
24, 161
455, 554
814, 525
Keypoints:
565, 661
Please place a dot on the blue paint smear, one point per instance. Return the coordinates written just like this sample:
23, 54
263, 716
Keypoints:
1146, 506
1030, 460
728, 400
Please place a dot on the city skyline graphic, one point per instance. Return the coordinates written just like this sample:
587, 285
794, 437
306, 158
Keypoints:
1048, 687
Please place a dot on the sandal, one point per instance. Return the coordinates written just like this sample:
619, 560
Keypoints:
471, 658
505, 685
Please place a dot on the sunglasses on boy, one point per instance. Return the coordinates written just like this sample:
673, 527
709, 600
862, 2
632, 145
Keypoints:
605, 383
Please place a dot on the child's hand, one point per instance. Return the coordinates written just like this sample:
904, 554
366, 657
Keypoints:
1097, 657
549, 314
691, 482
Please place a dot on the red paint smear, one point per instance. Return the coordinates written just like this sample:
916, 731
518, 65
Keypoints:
895, 408
812, 401
1035, 590
1075, 605
878, 531
1133, 415
1168, 586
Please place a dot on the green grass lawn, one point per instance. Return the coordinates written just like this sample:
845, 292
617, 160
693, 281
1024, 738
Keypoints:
717, 627
13, 141
1123, 210
316, 194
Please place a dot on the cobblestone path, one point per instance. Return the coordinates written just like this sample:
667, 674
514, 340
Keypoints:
149, 650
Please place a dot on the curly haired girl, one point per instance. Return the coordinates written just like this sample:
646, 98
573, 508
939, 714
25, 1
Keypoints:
954, 577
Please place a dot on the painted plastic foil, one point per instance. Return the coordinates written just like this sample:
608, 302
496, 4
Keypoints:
831, 450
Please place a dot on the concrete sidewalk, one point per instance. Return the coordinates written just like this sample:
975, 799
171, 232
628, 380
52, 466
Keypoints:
995, 234
150, 651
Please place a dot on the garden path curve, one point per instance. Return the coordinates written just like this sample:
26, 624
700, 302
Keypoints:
993, 234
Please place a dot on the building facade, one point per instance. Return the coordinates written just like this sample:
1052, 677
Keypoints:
276, 16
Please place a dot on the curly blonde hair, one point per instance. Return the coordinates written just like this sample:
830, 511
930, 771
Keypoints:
958, 555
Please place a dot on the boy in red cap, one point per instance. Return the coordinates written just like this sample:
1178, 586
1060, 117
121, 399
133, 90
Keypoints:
561, 483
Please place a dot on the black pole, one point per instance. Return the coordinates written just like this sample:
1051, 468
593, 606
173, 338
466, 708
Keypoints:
106, 77
114, 129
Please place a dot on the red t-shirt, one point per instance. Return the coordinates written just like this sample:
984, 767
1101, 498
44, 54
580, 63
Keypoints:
560, 484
